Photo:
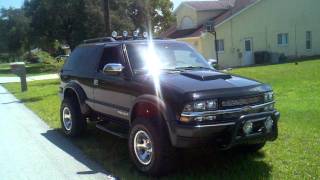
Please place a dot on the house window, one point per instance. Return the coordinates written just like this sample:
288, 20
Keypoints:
209, 27
283, 39
308, 40
220, 45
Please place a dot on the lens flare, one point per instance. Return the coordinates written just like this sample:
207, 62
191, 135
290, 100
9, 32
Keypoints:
153, 65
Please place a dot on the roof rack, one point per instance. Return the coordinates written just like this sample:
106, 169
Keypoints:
102, 39
118, 38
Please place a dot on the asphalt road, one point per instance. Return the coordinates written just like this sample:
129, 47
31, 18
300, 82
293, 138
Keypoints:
29, 149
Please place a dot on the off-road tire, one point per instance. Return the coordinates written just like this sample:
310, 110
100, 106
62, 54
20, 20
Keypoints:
163, 156
79, 123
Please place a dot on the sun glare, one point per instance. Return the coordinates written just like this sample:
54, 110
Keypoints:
153, 65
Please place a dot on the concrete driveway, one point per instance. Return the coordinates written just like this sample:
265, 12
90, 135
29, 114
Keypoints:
29, 149
29, 78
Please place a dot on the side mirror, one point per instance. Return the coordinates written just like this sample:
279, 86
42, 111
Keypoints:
112, 69
212, 62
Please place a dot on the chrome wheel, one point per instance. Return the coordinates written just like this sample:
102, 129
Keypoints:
66, 117
143, 147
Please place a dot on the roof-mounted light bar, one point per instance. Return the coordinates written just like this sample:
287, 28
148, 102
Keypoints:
115, 37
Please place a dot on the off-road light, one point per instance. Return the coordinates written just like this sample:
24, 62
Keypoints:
268, 124
145, 35
247, 127
114, 34
135, 34
125, 33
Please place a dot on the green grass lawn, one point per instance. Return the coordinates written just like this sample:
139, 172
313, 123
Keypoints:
295, 155
32, 69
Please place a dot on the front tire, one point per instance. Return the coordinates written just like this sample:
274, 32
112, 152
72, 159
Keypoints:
149, 146
72, 121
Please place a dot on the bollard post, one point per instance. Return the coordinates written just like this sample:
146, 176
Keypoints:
19, 68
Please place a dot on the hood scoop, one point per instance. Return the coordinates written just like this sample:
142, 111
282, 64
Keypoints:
206, 75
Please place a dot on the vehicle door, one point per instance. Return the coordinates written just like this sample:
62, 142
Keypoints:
112, 93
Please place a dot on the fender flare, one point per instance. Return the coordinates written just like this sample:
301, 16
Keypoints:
81, 96
165, 111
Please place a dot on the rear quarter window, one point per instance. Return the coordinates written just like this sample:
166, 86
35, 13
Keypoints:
84, 59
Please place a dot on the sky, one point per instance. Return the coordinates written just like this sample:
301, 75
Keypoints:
18, 3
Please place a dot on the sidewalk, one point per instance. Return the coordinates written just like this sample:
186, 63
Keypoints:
29, 149
29, 78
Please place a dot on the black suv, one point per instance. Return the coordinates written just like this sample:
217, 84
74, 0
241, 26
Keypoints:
162, 95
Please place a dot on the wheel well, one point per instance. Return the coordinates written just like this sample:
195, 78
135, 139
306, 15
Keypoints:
70, 94
145, 110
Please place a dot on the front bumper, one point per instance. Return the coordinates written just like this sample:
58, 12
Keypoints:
226, 135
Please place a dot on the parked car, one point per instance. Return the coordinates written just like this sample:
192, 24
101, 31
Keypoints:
162, 95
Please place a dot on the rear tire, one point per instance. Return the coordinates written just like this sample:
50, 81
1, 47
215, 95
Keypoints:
161, 159
72, 121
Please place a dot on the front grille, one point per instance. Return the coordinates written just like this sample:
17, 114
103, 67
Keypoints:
241, 102
238, 102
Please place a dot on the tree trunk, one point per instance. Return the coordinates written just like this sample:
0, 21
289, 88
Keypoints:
107, 19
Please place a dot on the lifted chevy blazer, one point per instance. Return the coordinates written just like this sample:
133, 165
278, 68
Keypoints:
162, 95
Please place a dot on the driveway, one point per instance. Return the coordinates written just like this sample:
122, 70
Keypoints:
29, 78
29, 149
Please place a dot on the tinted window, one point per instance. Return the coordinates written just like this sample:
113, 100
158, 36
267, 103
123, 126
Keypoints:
84, 59
111, 55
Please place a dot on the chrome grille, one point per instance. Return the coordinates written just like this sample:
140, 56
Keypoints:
240, 102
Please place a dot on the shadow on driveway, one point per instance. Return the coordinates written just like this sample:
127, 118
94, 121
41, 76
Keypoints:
55, 137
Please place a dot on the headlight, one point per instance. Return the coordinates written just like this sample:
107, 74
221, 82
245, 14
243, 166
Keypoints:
199, 106
268, 96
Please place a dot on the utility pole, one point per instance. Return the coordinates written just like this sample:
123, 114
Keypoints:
107, 19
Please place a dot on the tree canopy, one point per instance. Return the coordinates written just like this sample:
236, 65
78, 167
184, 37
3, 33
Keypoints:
46, 23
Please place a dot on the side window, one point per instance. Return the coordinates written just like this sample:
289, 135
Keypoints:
111, 55
71, 60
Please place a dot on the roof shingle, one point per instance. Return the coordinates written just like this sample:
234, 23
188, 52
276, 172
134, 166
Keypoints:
208, 5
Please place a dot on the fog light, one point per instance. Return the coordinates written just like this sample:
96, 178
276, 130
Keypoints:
247, 127
268, 124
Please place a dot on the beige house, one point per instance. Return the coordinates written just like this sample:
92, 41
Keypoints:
234, 30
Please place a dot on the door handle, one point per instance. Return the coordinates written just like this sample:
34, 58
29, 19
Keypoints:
95, 82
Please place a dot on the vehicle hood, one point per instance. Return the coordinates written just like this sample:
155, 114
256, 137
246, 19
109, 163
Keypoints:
203, 84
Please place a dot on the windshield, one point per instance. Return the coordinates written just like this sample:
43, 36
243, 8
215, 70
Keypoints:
165, 56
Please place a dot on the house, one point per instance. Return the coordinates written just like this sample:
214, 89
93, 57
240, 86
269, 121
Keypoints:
233, 30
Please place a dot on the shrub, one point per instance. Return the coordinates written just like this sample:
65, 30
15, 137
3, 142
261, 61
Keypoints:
6, 58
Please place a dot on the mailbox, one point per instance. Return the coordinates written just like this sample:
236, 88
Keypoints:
19, 68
